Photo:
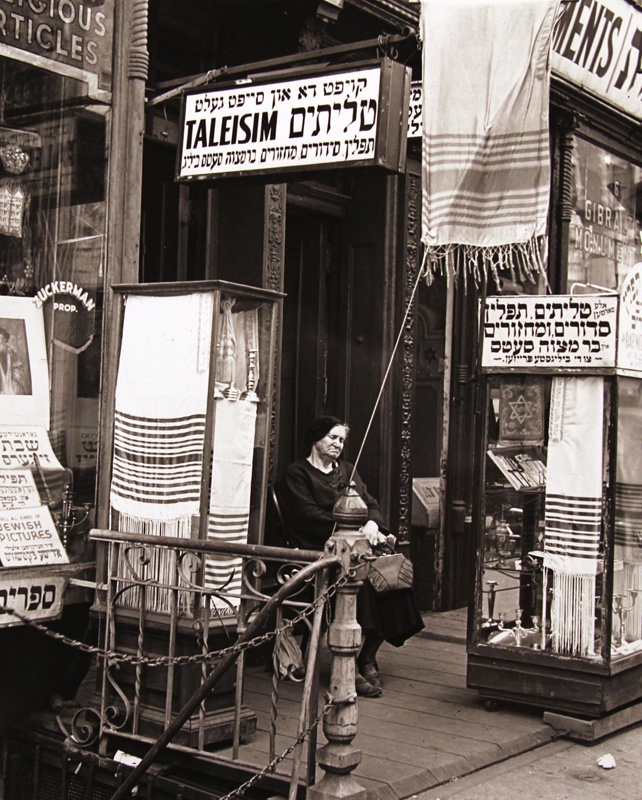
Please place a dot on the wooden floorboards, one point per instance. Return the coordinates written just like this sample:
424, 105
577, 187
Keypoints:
426, 729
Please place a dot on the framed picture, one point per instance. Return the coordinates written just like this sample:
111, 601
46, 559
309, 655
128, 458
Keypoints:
24, 373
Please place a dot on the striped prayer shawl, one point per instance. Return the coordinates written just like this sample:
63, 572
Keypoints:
485, 146
229, 508
158, 461
574, 510
161, 400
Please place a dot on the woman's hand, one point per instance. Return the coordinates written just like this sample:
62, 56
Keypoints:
373, 534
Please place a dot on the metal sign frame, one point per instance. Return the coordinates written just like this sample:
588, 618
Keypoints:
307, 120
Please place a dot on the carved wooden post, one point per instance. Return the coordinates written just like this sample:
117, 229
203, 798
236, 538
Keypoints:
339, 757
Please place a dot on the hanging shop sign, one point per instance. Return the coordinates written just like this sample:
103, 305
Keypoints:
558, 332
354, 117
597, 45
415, 111
71, 37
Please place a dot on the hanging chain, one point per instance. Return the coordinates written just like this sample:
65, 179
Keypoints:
114, 657
268, 768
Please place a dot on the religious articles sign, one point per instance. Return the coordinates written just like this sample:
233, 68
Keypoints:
29, 538
343, 117
32, 598
18, 489
554, 332
70, 37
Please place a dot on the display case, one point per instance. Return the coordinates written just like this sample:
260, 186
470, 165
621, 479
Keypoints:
192, 401
556, 619
192, 397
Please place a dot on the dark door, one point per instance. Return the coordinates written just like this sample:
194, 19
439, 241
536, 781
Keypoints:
310, 334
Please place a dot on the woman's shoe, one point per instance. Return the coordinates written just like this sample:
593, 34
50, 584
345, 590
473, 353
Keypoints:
371, 674
365, 688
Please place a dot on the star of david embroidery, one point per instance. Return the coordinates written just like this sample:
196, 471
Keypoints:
521, 409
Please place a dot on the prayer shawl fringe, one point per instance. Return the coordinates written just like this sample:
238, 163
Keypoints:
574, 511
486, 151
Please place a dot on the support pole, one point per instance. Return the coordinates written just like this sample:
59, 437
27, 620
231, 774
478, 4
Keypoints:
338, 758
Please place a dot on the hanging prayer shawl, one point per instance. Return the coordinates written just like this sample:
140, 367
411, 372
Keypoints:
574, 510
161, 400
229, 510
485, 159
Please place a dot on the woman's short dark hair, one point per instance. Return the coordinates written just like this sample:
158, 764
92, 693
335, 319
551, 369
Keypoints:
319, 428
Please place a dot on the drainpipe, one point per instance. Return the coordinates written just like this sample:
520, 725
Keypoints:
445, 429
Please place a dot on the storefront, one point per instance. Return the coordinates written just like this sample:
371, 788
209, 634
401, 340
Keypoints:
56, 82
555, 510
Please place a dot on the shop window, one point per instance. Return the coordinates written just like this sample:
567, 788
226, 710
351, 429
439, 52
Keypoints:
52, 256
606, 223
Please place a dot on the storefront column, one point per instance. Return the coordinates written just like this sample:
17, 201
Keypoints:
123, 199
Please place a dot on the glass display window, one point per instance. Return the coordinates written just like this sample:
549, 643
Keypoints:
52, 262
606, 217
541, 576
193, 401
626, 633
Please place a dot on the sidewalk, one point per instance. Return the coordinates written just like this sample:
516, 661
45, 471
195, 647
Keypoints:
428, 728
562, 770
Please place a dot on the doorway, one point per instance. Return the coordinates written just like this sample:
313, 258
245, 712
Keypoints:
312, 342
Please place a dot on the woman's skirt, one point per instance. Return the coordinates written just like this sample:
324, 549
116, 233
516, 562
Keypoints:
394, 616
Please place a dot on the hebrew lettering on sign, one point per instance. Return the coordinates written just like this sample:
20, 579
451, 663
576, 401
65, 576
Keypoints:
549, 332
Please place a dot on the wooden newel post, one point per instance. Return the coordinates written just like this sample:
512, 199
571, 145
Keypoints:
339, 757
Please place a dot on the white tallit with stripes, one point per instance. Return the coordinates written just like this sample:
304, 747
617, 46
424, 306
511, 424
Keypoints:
161, 401
229, 508
574, 478
485, 146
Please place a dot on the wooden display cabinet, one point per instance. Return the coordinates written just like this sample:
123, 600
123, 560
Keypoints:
556, 619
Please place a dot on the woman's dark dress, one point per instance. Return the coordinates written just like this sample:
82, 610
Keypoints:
307, 496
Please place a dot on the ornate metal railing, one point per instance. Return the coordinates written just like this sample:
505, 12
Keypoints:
162, 662
166, 629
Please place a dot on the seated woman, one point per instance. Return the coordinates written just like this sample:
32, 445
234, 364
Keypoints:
307, 493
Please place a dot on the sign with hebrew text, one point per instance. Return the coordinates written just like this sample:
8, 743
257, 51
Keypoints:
32, 597
18, 489
555, 332
347, 117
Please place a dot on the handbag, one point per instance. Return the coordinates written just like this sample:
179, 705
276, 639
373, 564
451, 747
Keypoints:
390, 572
